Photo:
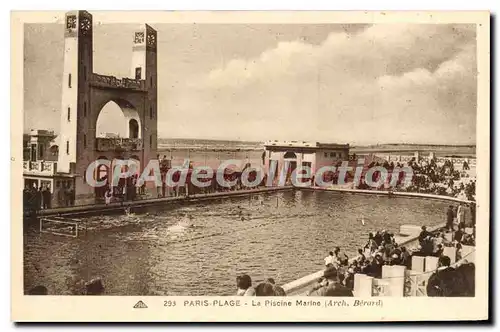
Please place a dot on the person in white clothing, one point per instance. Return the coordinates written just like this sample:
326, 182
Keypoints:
108, 196
330, 259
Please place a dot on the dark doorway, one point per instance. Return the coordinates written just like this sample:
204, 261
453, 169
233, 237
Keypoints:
33, 152
133, 128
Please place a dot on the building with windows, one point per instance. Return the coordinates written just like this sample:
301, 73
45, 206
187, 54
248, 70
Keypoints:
40, 164
312, 154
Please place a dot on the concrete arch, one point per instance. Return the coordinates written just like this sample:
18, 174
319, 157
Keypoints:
130, 113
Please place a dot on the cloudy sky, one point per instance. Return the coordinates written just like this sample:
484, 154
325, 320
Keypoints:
361, 84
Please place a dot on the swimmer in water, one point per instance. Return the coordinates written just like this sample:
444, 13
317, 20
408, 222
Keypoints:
363, 220
189, 222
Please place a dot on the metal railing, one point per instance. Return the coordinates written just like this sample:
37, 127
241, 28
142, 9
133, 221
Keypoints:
40, 167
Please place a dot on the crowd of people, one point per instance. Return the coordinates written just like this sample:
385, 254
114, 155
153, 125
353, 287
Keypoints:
382, 249
429, 177
35, 199
41, 198
445, 180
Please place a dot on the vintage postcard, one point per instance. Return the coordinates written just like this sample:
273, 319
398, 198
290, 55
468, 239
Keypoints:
250, 166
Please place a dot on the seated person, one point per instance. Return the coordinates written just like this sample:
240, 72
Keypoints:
333, 285
424, 234
446, 282
439, 250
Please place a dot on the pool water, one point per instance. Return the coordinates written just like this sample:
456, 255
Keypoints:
282, 235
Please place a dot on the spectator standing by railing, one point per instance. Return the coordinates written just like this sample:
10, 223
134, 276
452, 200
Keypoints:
47, 198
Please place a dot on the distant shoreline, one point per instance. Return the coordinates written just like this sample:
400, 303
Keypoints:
221, 141
440, 151
201, 146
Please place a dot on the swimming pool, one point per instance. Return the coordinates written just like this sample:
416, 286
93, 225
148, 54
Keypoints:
283, 235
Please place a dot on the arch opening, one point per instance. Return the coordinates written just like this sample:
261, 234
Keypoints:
118, 119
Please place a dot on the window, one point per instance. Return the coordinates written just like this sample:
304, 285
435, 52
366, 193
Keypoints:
84, 108
67, 147
84, 141
57, 184
151, 81
69, 80
326, 154
332, 154
133, 128
150, 112
40, 151
138, 73
69, 114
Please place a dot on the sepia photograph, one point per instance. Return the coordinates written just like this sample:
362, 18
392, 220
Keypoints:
330, 161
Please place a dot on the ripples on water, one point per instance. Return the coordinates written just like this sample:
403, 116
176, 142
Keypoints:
282, 235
